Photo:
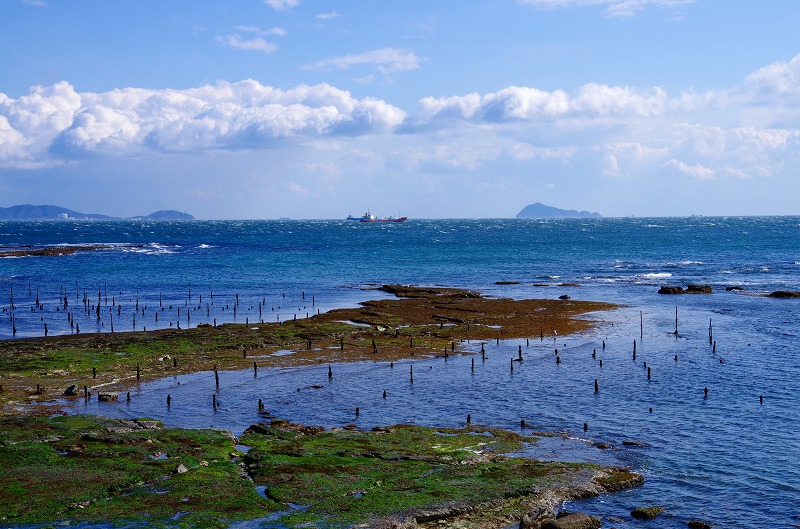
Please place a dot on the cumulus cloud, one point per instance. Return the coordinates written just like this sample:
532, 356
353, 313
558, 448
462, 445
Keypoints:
386, 61
777, 79
614, 8
282, 5
57, 122
527, 104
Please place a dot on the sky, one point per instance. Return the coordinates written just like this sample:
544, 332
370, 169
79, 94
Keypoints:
259, 109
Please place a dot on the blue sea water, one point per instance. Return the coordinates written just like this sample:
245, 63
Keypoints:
726, 458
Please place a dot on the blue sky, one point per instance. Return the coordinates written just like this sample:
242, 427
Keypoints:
319, 109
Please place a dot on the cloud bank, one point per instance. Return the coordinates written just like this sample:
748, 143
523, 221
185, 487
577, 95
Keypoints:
55, 123
619, 131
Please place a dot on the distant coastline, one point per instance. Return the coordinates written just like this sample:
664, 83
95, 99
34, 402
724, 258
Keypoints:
48, 212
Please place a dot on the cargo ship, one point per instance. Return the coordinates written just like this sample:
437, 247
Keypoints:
369, 217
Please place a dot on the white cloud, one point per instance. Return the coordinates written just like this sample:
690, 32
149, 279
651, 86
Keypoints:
57, 122
328, 16
531, 104
282, 5
280, 32
614, 8
255, 44
386, 61
36, 3
697, 171
777, 79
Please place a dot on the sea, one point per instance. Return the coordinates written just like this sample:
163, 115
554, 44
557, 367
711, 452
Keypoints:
708, 410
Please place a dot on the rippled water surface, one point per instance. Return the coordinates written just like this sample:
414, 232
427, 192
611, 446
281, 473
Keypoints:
725, 458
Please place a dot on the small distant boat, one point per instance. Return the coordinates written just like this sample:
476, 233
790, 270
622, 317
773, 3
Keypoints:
369, 217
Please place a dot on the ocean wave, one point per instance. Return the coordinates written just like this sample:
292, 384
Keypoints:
204, 246
152, 249
654, 275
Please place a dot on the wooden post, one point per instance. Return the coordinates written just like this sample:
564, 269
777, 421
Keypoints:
676, 320
138, 373
169, 400
216, 376
214, 402
330, 373
255, 369
412, 374
473, 365
596, 386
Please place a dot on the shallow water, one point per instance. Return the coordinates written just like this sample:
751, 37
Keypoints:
725, 458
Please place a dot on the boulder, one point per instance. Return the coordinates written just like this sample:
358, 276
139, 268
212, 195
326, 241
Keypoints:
698, 289
563, 296
71, 391
784, 294
734, 288
533, 519
647, 513
576, 520
665, 289
697, 524
107, 396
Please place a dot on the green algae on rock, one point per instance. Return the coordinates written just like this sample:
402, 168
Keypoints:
98, 470
411, 475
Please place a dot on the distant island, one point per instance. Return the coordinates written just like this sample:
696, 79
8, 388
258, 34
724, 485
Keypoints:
29, 212
541, 211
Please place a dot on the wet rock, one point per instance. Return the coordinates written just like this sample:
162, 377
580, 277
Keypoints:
734, 288
107, 396
699, 289
261, 428
647, 513
534, 518
576, 520
784, 294
563, 296
697, 524
71, 391
634, 443
666, 289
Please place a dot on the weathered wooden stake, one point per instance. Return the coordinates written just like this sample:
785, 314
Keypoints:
138, 373
412, 374
512, 365
169, 400
214, 402
358, 411
216, 376
596, 386
384, 393
128, 397
473, 365
676, 320
255, 368
594, 354
330, 373
648, 373
705, 393
469, 418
